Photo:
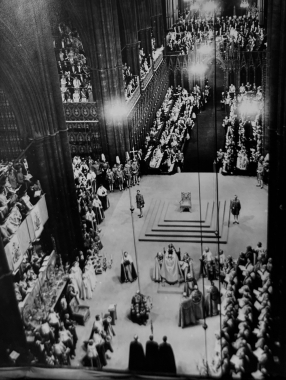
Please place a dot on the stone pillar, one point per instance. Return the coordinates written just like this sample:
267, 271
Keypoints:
101, 18
128, 14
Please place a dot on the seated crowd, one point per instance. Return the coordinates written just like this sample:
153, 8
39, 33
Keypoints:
74, 73
174, 122
249, 336
19, 192
243, 129
232, 32
130, 81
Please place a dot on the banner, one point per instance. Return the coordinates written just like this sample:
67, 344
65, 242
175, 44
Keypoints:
23, 236
37, 220
14, 253
43, 209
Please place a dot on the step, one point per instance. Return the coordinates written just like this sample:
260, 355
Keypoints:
185, 232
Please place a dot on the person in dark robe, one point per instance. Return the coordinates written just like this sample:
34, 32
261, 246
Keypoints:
212, 300
189, 285
140, 203
152, 352
128, 271
136, 356
167, 363
198, 303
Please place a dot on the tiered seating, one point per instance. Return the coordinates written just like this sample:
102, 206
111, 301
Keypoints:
73, 70
241, 32
243, 129
19, 192
163, 146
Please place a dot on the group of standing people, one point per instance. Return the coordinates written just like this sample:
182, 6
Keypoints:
156, 358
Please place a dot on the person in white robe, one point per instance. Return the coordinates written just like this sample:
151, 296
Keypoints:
86, 288
78, 276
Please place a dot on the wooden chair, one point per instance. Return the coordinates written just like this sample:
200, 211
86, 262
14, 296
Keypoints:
185, 202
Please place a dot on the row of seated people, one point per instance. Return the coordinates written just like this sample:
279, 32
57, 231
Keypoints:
19, 192
74, 73
248, 340
243, 130
130, 81
232, 32
165, 153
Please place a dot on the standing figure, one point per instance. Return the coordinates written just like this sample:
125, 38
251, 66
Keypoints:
152, 353
110, 179
128, 271
86, 286
92, 358
136, 356
235, 208
260, 172
134, 172
127, 174
189, 284
140, 203
102, 195
166, 362
187, 265
120, 178
158, 265
212, 300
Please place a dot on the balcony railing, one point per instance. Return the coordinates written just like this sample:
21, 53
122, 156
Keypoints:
158, 59
147, 78
130, 102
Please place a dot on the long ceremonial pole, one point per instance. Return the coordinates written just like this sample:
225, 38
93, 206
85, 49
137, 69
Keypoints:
133, 229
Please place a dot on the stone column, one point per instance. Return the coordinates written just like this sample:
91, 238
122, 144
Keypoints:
101, 18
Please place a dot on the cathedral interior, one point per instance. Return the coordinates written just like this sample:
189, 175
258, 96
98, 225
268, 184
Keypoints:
142, 188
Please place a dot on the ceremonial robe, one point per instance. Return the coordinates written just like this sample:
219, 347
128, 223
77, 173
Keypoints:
152, 356
128, 271
212, 301
136, 357
171, 270
186, 313
167, 363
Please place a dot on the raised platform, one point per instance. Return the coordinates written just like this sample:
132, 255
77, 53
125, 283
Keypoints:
164, 222
165, 288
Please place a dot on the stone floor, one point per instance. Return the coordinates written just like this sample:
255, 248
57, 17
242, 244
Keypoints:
192, 344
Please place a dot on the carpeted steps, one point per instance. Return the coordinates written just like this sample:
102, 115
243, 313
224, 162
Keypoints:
186, 227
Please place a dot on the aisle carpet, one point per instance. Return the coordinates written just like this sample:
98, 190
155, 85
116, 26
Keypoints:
200, 151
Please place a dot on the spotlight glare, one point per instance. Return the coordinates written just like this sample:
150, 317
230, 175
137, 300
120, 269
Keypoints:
210, 6
205, 49
198, 68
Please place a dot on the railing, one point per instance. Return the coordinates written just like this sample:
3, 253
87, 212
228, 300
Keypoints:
130, 102
80, 111
158, 60
147, 78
